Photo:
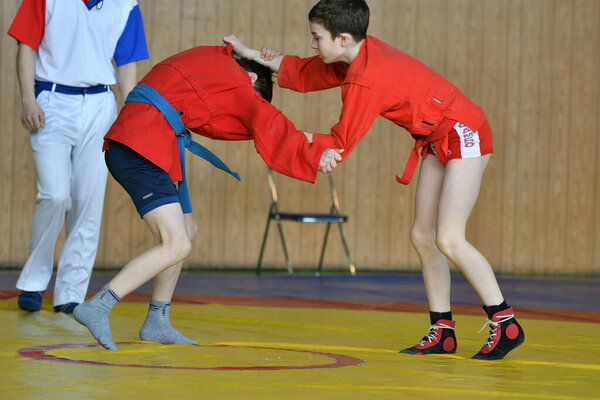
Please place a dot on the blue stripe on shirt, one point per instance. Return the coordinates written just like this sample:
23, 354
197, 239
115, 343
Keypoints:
132, 43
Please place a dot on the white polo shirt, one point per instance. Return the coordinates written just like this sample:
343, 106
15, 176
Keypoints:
75, 44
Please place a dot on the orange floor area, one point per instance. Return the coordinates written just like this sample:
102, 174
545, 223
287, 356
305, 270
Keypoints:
267, 352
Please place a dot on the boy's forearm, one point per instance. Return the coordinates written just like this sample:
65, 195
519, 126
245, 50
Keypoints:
243, 51
126, 79
273, 64
26, 72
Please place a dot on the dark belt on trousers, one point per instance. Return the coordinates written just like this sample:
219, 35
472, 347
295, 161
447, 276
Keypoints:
40, 86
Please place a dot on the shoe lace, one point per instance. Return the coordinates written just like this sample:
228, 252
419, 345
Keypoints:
493, 326
433, 332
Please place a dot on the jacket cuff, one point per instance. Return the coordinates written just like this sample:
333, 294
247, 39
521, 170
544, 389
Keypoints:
282, 73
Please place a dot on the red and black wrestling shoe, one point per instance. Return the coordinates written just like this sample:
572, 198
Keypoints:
505, 335
441, 340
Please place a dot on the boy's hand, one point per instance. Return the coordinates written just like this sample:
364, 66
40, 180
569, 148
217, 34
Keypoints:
272, 57
238, 47
329, 159
268, 54
32, 116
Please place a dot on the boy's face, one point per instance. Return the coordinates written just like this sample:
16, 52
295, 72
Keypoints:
329, 49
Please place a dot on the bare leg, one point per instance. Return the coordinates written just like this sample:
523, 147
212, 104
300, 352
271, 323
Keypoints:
459, 193
168, 223
460, 189
164, 283
436, 274
157, 326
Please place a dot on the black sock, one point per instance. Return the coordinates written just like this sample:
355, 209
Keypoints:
436, 316
491, 310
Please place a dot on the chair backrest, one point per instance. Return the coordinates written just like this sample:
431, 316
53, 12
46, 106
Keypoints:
332, 217
272, 184
334, 198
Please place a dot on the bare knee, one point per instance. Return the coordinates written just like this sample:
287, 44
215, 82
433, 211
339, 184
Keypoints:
450, 242
422, 238
178, 248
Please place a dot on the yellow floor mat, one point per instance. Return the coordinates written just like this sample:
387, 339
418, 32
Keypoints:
287, 353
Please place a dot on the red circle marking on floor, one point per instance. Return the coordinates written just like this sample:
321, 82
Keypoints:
340, 360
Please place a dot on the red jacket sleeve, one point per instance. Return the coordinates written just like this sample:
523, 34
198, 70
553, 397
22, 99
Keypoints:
359, 110
283, 148
360, 106
29, 23
310, 74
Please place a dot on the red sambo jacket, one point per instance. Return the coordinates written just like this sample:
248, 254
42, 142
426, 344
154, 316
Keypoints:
216, 99
385, 81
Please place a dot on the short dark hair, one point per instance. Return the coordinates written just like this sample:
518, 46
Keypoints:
340, 16
264, 83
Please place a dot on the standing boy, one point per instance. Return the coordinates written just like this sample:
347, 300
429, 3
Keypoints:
205, 90
65, 67
451, 134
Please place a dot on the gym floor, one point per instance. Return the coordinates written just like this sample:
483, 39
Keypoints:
298, 337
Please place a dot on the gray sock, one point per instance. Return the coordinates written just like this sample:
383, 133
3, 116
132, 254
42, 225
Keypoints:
94, 314
157, 327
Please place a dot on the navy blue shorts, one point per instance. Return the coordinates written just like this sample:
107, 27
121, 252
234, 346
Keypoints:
148, 185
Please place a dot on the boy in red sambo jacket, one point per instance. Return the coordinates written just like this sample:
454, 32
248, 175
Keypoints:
451, 135
207, 91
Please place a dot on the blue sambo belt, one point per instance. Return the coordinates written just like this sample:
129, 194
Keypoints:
143, 93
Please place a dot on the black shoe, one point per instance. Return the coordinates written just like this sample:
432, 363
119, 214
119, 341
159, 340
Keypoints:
30, 301
505, 335
441, 340
66, 308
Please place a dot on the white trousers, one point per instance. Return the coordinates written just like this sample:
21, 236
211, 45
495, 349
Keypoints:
71, 183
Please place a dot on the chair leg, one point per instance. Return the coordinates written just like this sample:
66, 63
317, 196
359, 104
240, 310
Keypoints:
346, 249
323, 249
264, 242
288, 263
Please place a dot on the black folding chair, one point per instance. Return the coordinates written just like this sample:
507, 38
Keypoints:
333, 217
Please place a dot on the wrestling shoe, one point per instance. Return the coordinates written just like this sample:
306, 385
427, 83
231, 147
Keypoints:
441, 340
66, 308
30, 301
505, 335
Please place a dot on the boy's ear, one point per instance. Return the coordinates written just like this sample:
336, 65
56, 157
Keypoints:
345, 39
253, 77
